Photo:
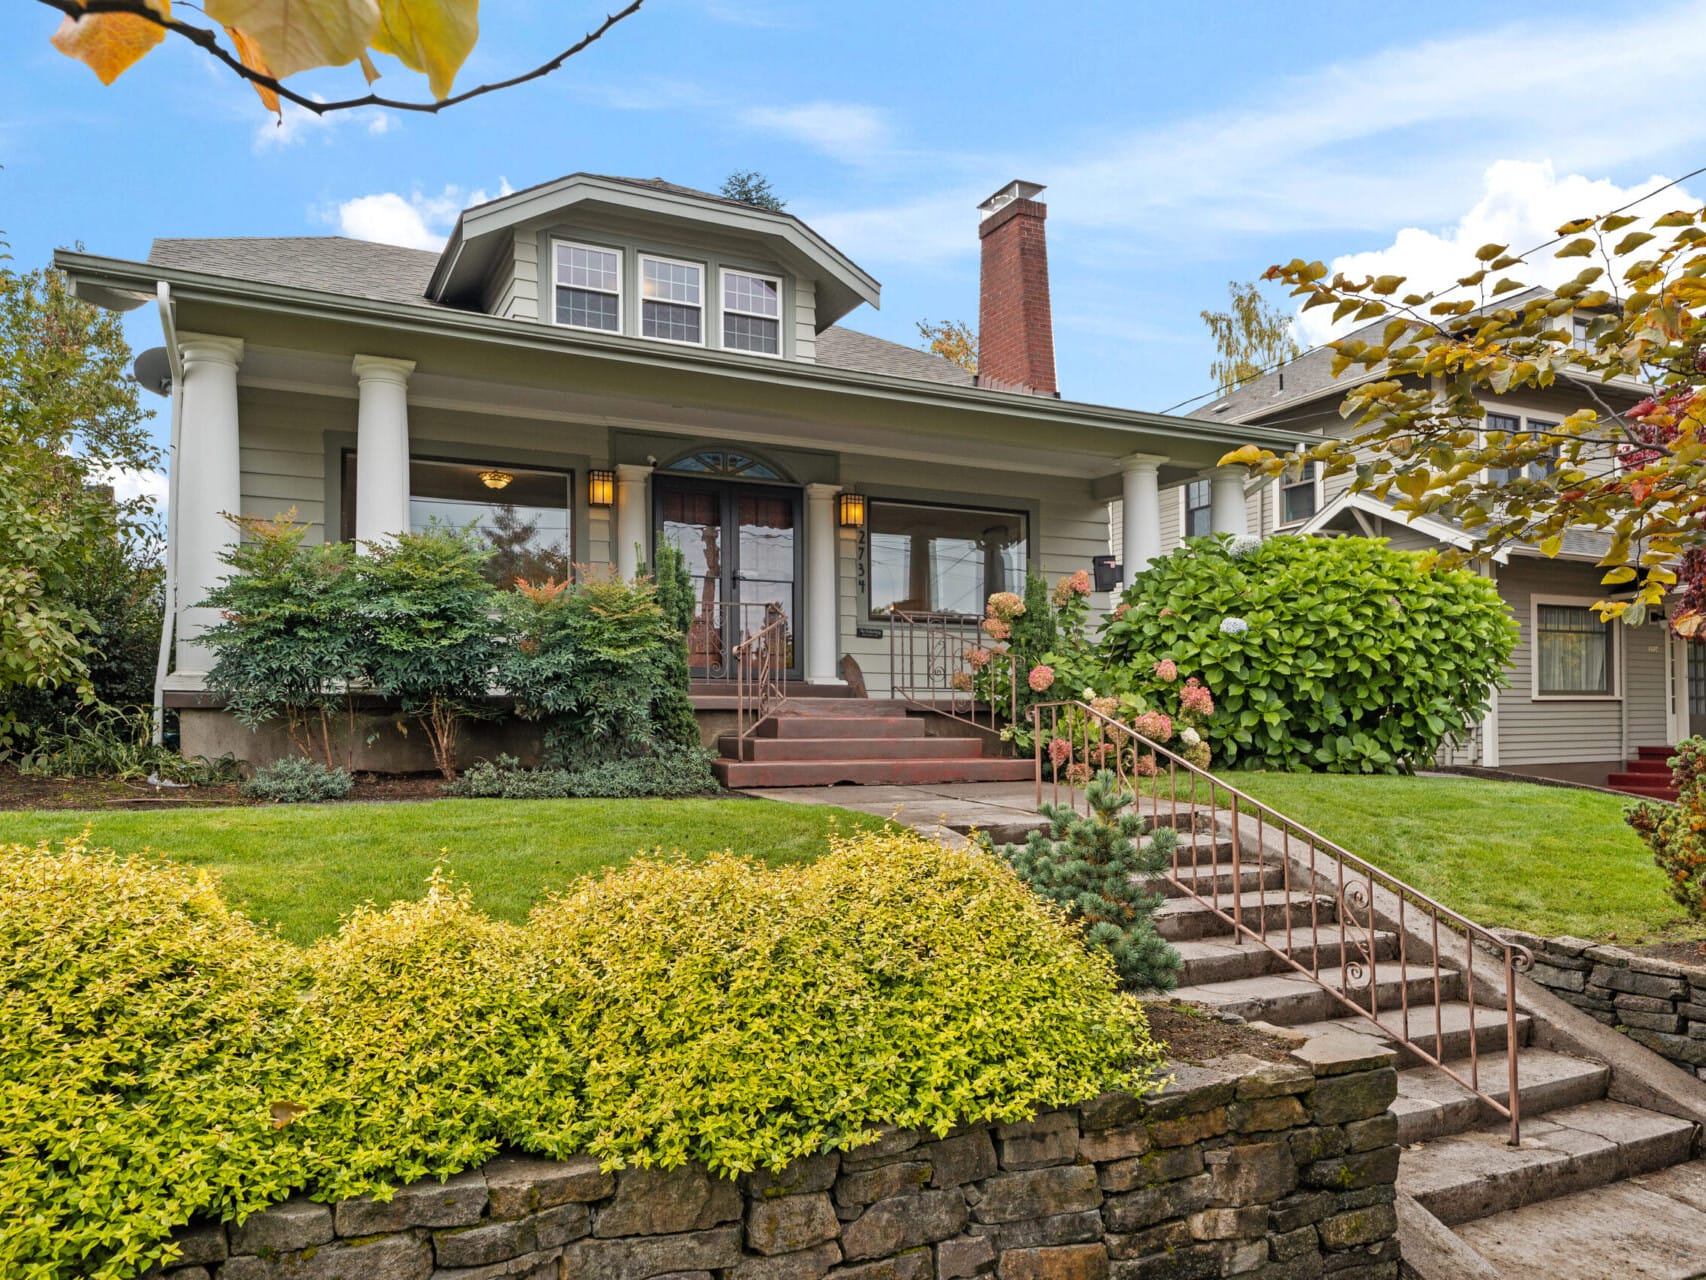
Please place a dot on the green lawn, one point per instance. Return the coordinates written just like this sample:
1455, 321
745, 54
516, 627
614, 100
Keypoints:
1552, 860
302, 866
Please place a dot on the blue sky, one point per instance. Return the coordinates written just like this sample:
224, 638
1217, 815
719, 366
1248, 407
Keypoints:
1183, 145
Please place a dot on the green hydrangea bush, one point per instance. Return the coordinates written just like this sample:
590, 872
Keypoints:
1333, 654
164, 1059
1676, 833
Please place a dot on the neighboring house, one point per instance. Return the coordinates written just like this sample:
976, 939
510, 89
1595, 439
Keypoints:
1583, 696
596, 364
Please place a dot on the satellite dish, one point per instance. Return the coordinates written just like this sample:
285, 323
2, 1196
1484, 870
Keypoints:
153, 369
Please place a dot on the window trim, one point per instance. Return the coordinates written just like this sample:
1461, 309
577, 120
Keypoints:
1185, 507
642, 257
1523, 419
867, 615
1614, 659
619, 293
724, 310
1316, 481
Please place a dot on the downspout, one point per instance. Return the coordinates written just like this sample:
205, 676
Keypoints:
168, 327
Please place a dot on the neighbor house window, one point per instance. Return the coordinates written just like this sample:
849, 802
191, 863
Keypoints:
589, 287
523, 514
1199, 505
1573, 652
1522, 431
752, 313
1297, 500
672, 300
940, 559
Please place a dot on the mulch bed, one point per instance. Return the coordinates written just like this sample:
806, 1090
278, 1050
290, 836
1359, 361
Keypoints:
1194, 1035
1688, 951
19, 792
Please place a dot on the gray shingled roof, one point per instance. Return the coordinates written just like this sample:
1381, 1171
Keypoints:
388, 273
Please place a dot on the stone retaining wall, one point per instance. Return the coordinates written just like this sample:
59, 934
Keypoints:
1274, 1170
1656, 1003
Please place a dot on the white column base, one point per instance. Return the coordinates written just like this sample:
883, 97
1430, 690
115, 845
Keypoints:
633, 535
1227, 511
822, 620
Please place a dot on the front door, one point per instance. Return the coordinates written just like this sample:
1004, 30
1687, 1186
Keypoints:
1696, 721
742, 546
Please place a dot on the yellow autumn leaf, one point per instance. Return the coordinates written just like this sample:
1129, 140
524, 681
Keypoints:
303, 34
1245, 456
111, 43
249, 54
433, 37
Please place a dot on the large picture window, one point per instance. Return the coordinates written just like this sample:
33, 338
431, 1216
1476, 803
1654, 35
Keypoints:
940, 559
1574, 652
523, 513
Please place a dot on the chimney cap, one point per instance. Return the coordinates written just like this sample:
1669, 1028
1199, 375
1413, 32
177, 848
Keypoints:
1018, 189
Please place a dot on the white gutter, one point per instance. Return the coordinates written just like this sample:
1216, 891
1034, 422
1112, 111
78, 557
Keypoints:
169, 327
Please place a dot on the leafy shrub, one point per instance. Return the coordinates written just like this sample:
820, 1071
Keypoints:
1337, 654
117, 742
1095, 869
137, 1066
744, 1017
295, 780
1676, 833
672, 772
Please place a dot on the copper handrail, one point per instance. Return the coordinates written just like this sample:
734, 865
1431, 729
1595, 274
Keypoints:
930, 667
1351, 883
761, 672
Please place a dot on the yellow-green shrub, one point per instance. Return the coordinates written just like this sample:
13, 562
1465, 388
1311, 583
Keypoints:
428, 1035
139, 1018
742, 1017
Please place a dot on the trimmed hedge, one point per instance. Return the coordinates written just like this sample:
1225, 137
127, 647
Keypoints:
166, 1059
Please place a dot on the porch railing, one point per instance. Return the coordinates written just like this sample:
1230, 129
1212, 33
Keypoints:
1360, 898
760, 663
931, 666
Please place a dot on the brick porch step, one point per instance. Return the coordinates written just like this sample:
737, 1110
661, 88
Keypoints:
840, 747
1660, 754
828, 773
799, 726
1658, 768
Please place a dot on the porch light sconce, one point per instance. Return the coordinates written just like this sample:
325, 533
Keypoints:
601, 488
852, 511
496, 479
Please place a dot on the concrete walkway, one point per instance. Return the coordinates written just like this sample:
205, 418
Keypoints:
1006, 811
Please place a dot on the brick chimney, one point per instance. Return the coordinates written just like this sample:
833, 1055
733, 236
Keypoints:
1015, 330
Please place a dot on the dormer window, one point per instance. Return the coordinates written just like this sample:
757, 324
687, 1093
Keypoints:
752, 313
672, 300
589, 287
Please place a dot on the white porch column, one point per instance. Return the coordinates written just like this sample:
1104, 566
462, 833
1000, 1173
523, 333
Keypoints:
1140, 512
633, 516
381, 447
822, 625
1226, 502
209, 486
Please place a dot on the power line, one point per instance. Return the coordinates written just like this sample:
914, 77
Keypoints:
1544, 244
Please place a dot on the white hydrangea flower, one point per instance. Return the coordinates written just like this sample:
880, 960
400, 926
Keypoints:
1233, 626
1190, 737
1088, 694
1243, 546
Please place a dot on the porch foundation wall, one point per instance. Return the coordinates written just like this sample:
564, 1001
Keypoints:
382, 743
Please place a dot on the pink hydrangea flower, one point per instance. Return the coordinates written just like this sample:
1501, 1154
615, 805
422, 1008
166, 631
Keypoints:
1165, 613
1078, 774
1005, 605
1166, 670
1146, 767
1059, 751
996, 629
1105, 706
1196, 699
1154, 725
960, 682
1080, 582
1120, 610
1041, 677
979, 658
1198, 755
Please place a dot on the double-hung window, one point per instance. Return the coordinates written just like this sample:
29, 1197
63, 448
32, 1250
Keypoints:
1574, 652
1519, 432
1298, 495
1199, 507
752, 313
589, 287
672, 300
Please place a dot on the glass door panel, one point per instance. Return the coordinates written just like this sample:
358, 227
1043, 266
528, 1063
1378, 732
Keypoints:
691, 521
766, 553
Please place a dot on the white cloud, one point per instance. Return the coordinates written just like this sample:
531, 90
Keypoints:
129, 482
848, 131
1522, 204
415, 221
295, 125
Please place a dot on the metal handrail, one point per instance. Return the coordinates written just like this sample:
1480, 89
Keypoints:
1351, 881
930, 667
761, 672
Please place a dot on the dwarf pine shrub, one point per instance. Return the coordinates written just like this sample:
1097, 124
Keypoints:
296, 780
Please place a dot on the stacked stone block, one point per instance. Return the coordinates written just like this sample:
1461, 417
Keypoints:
1273, 1170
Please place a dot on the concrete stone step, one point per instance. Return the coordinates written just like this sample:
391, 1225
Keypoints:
741, 774
1430, 1104
1184, 919
1449, 1039
1651, 1227
1288, 998
1210, 878
1467, 1176
1208, 960
796, 726
841, 748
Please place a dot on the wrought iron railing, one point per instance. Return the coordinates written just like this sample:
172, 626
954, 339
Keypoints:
760, 664
931, 666
1191, 800
718, 631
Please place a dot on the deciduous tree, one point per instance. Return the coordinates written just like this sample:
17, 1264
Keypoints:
952, 340
1251, 336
